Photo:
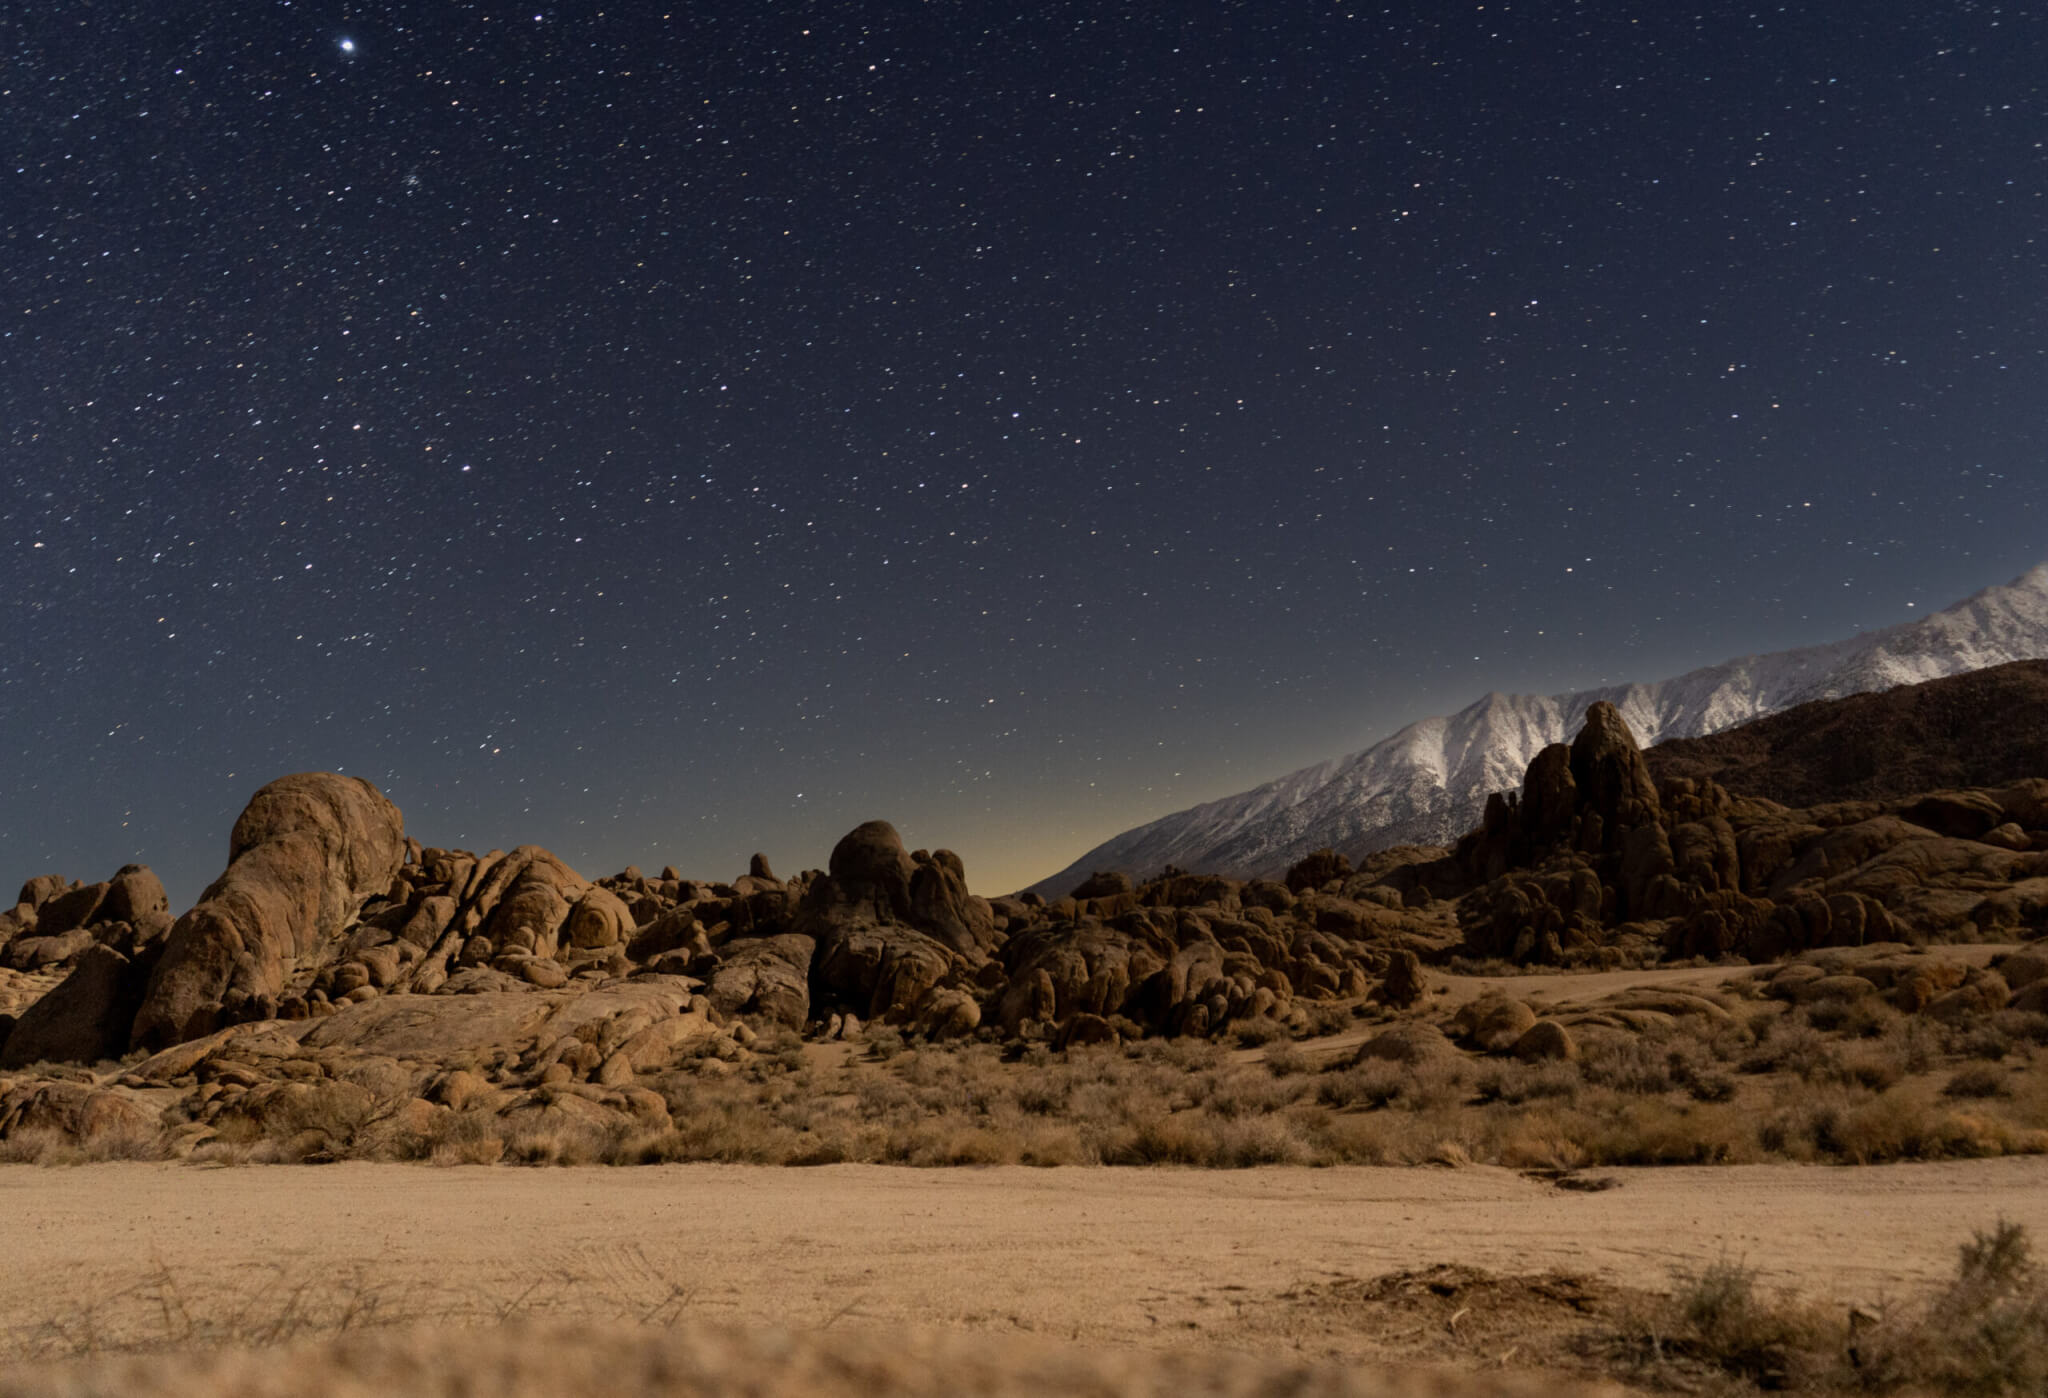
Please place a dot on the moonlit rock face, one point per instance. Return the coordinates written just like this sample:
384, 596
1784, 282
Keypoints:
1429, 782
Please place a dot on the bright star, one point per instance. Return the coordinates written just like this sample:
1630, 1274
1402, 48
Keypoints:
348, 46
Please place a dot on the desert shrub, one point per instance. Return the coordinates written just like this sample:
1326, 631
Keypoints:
1727, 1323
1978, 1080
1322, 1017
1436, 1084
1258, 1031
1369, 1084
1535, 1144
1158, 1140
1259, 1140
2023, 1025
947, 1142
1632, 1063
1516, 1083
1042, 1094
1711, 1086
1426, 1086
1987, 1039
1283, 1059
1246, 1095
1791, 1046
1185, 1054
1986, 1333
885, 1041
1348, 1138
1648, 1131
1875, 1066
39, 1146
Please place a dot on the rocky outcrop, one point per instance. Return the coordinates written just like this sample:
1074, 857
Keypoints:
891, 927
55, 921
1430, 781
85, 1019
766, 976
1974, 730
305, 854
1596, 862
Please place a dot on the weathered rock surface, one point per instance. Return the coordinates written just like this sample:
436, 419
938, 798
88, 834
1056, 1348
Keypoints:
85, 1019
305, 854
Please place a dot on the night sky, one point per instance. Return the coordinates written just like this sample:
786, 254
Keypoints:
663, 436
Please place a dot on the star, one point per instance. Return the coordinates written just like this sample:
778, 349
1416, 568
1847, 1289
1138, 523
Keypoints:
348, 47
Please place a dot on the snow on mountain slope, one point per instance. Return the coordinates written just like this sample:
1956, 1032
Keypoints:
1429, 782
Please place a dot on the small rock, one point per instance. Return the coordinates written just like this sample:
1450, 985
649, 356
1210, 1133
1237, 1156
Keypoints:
543, 972
1546, 1041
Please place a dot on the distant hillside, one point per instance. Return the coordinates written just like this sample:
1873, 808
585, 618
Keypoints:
1428, 783
1980, 729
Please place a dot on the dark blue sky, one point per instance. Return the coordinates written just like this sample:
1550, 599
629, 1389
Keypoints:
665, 437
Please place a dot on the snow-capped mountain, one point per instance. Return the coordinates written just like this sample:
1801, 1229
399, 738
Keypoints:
1429, 782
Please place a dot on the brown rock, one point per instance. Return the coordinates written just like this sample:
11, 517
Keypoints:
428, 921
134, 895
1496, 1023
85, 1018
75, 1110
1103, 884
2023, 968
42, 888
1611, 776
1409, 1042
1546, 1041
2007, 836
947, 1014
74, 908
544, 972
1962, 815
599, 919
2032, 998
1980, 994
869, 873
1915, 989
1403, 983
306, 853
1082, 1030
534, 892
942, 908
765, 976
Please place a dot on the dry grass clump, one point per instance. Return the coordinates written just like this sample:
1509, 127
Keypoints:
1839, 1080
43, 1145
1985, 1332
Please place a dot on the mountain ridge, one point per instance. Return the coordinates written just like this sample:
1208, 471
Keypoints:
1428, 781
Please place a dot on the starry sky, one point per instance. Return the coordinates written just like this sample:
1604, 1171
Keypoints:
664, 433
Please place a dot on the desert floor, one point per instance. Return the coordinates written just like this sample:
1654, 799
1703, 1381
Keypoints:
113, 1256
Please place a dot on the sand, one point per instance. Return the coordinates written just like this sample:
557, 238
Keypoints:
1106, 1256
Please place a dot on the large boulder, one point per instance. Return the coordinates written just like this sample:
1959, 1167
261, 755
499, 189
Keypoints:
764, 976
1058, 971
534, 893
1613, 782
891, 927
85, 1018
306, 853
941, 906
135, 894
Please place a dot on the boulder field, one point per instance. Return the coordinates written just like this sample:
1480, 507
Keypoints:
334, 940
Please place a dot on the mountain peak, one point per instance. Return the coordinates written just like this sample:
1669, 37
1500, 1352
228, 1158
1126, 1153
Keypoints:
1430, 780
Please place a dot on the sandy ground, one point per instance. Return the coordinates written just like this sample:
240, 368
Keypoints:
1119, 1257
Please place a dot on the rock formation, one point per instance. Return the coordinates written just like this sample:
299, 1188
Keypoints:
340, 979
304, 855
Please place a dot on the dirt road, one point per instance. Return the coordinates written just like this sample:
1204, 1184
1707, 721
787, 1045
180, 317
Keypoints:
1103, 1255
